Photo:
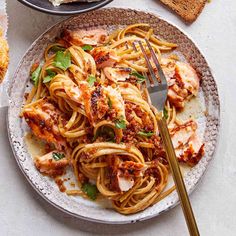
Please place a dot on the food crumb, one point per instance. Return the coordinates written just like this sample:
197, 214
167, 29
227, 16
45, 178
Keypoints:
174, 57
26, 95
206, 113
60, 184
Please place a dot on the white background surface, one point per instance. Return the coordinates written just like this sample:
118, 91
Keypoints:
23, 212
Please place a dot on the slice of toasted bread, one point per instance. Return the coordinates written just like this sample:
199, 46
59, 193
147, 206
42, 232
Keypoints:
4, 57
187, 9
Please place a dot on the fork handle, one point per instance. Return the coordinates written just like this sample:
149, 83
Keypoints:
177, 176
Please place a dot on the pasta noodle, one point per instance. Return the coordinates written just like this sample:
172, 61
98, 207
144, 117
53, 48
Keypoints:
103, 116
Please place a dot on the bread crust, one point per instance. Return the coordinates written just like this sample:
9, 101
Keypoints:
4, 56
188, 10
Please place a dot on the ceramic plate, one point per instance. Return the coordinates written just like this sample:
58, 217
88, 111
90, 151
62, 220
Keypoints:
64, 9
112, 18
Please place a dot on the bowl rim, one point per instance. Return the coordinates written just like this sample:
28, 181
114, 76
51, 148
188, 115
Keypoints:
64, 13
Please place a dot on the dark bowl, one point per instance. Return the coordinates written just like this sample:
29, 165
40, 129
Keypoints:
64, 9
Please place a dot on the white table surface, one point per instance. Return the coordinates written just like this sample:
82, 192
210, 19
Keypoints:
23, 212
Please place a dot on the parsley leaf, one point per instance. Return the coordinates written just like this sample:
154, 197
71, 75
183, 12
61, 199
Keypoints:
145, 134
50, 75
120, 124
62, 60
91, 190
109, 103
91, 80
35, 76
165, 113
140, 78
50, 72
87, 47
47, 79
57, 156
57, 48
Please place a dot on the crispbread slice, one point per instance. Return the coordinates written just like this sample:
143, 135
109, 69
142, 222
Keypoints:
4, 57
187, 9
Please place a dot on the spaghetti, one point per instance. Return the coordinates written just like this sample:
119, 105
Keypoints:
90, 103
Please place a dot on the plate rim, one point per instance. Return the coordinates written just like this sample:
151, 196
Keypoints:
76, 215
64, 13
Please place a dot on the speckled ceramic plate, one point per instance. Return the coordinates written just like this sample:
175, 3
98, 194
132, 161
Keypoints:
208, 121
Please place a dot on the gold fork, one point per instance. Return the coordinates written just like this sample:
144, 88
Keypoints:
158, 88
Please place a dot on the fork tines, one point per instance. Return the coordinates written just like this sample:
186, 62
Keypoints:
153, 78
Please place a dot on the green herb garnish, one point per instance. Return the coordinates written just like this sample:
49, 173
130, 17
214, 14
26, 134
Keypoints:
50, 75
140, 78
109, 103
58, 48
91, 190
145, 134
91, 80
50, 72
62, 60
165, 113
120, 124
35, 76
57, 156
87, 47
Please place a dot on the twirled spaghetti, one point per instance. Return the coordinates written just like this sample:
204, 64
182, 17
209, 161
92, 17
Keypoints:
90, 104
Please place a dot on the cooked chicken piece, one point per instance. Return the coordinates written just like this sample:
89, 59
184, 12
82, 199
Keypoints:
116, 74
189, 148
168, 67
125, 184
116, 100
175, 99
192, 152
76, 91
127, 172
188, 77
182, 81
99, 104
122, 174
180, 135
82, 37
101, 100
52, 164
43, 118
104, 57
4, 57
131, 169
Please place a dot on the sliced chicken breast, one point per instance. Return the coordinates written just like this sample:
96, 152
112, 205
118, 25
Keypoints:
52, 164
82, 37
43, 119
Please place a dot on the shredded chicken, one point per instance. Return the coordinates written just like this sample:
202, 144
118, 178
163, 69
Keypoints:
50, 166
